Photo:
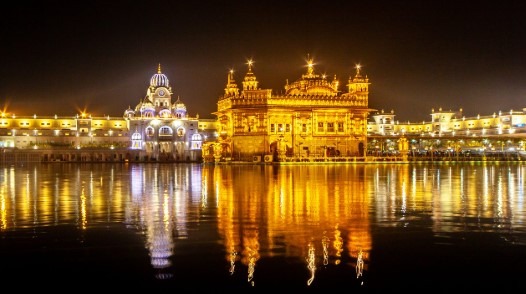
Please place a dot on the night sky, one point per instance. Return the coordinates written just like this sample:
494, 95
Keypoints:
60, 57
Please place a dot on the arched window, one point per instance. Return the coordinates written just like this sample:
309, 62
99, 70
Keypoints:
136, 141
181, 131
196, 142
165, 131
165, 113
149, 131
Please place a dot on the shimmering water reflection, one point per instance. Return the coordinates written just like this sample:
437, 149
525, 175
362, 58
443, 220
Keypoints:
313, 227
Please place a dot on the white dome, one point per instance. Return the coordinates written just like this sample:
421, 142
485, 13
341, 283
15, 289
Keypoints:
159, 79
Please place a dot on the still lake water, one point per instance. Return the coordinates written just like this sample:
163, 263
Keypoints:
312, 228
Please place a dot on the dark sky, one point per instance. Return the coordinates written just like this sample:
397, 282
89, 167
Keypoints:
58, 57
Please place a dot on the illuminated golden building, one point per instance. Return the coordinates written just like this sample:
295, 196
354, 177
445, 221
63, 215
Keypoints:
449, 130
81, 137
311, 121
449, 123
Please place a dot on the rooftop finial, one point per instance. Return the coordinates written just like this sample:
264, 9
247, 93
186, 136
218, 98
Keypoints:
358, 67
159, 68
250, 62
230, 76
310, 64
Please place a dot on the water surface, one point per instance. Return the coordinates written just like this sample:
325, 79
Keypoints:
357, 228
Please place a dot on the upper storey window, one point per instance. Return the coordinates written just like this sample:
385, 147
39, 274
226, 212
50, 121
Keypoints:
149, 131
165, 113
165, 131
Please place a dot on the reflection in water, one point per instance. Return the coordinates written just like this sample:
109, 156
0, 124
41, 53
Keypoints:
161, 197
265, 211
338, 245
359, 264
292, 204
325, 244
311, 263
83, 212
252, 258
233, 256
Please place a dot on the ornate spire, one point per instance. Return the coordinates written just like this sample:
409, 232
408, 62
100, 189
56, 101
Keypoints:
310, 65
249, 63
250, 82
159, 68
231, 86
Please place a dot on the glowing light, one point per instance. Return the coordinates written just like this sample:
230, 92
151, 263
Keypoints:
359, 264
311, 263
251, 265
325, 244
233, 255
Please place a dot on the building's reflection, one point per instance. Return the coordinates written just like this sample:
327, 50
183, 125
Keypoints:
50, 195
161, 198
309, 210
320, 215
311, 262
454, 198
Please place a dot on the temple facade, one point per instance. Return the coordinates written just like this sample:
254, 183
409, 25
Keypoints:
156, 129
311, 121
160, 128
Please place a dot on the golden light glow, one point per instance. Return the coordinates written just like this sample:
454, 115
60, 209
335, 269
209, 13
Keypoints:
283, 201
311, 263
233, 256
338, 245
252, 258
3, 211
358, 68
329, 204
325, 245
83, 212
359, 264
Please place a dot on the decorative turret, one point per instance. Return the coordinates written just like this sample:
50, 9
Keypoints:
358, 83
359, 87
179, 108
146, 108
129, 113
335, 83
231, 86
250, 82
159, 79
